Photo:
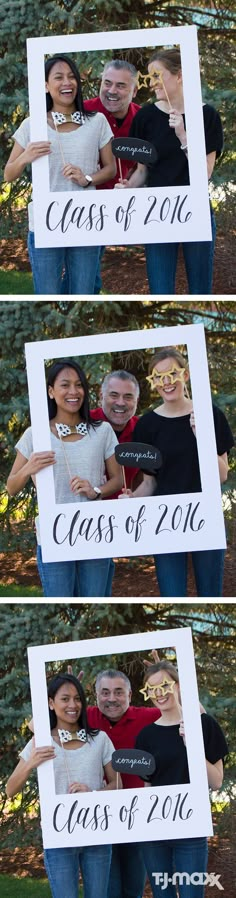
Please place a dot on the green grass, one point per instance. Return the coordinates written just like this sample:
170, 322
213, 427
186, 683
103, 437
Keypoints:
16, 282
14, 590
25, 887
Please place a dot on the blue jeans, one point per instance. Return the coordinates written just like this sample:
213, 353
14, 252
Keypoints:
180, 855
161, 259
69, 579
62, 867
110, 579
48, 264
128, 874
172, 569
98, 279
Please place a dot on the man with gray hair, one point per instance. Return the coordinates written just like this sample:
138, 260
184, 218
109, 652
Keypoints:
117, 91
122, 722
119, 396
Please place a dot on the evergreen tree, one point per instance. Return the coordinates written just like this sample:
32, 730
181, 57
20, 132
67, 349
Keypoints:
22, 19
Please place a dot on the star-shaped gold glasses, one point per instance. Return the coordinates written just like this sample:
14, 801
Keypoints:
151, 80
157, 689
157, 378
145, 80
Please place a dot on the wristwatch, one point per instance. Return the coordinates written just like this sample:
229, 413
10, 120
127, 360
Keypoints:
98, 491
89, 180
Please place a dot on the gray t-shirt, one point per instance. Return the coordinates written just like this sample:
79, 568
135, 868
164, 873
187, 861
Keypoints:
84, 765
86, 458
80, 147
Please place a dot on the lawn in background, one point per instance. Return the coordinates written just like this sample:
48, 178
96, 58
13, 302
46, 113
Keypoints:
22, 591
25, 887
16, 282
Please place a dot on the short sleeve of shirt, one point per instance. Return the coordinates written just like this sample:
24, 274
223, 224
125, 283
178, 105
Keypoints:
224, 436
213, 130
108, 748
26, 751
215, 744
25, 443
106, 132
110, 440
22, 134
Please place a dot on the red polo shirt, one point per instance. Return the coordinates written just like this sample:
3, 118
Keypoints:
96, 105
123, 733
125, 436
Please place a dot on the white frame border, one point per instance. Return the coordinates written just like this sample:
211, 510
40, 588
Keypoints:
212, 533
199, 822
198, 227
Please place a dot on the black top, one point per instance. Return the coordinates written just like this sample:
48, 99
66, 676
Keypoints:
175, 439
167, 746
171, 167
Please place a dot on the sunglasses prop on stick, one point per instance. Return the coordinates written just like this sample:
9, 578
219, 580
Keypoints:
153, 79
138, 455
158, 689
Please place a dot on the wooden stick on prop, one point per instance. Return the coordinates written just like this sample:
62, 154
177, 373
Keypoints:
120, 169
65, 457
124, 477
60, 146
165, 91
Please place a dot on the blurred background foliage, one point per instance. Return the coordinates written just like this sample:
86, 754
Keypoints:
213, 628
30, 320
21, 19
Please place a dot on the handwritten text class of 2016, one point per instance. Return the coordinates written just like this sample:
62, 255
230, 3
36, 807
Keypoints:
99, 817
93, 217
103, 530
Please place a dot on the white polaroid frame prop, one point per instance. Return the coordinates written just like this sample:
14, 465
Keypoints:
166, 214
171, 523
165, 812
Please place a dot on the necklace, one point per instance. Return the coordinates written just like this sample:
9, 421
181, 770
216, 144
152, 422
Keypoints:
64, 430
66, 736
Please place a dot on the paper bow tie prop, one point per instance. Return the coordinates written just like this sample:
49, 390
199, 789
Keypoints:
66, 736
138, 455
133, 761
134, 149
59, 118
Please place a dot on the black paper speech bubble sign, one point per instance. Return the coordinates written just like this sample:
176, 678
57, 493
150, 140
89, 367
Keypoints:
134, 149
133, 761
138, 455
